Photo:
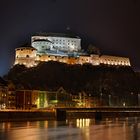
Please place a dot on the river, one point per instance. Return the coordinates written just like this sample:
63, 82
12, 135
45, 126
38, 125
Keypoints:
77, 129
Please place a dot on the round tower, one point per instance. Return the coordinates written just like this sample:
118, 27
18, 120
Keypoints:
25, 56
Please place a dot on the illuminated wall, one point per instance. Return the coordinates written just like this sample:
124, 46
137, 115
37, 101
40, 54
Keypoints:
59, 43
3, 96
28, 57
84, 59
25, 56
114, 60
94, 59
73, 60
47, 58
42, 46
42, 99
64, 49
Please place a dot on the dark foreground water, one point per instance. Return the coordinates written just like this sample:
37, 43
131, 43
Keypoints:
79, 129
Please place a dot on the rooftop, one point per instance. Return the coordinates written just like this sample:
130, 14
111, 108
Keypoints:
25, 46
42, 40
71, 35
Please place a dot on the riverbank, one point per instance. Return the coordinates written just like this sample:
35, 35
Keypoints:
26, 115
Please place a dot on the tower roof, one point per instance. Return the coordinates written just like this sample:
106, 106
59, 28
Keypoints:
26, 46
69, 35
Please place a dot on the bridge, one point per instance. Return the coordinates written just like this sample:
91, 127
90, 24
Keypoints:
97, 112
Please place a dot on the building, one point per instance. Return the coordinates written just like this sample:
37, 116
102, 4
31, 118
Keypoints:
114, 60
29, 99
26, 56
63, 48
55, 43
11, 101
3, 94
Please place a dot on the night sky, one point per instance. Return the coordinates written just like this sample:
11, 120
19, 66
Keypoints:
114, 25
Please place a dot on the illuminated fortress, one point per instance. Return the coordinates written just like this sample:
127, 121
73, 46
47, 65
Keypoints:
62, 48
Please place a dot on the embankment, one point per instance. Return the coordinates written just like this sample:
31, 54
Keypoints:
26, 115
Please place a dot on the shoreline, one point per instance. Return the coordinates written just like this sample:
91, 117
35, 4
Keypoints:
41, 115
26, 115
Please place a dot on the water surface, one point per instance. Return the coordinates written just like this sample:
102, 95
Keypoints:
79, 129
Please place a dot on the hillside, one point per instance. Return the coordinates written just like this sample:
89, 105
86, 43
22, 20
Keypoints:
51, 75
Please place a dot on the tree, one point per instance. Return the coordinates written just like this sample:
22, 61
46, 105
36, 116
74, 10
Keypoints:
92, 49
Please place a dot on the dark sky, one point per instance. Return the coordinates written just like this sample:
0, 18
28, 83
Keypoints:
114, 25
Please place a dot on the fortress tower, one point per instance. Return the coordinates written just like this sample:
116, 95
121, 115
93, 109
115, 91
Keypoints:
26, 56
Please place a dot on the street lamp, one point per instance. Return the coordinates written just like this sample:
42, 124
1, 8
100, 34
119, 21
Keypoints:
124, 104
109, 99
132, 103
101, 94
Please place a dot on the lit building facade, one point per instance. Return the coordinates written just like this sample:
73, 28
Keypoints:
3, 94
26, 56
114, 60
27, 99
62, 48
52, 43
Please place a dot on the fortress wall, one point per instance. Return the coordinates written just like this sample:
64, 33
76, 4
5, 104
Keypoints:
114, 60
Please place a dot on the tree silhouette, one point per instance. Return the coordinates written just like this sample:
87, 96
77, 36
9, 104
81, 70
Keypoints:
92, 49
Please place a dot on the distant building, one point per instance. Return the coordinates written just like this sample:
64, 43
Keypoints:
28, 99
3, 93
62, 48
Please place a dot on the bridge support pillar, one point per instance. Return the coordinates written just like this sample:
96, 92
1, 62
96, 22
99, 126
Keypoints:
98, 116
60, 115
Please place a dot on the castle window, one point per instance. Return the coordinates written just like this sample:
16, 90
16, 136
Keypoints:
27, 56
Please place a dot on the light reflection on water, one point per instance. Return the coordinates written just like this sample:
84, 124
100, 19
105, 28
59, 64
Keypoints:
79, 129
